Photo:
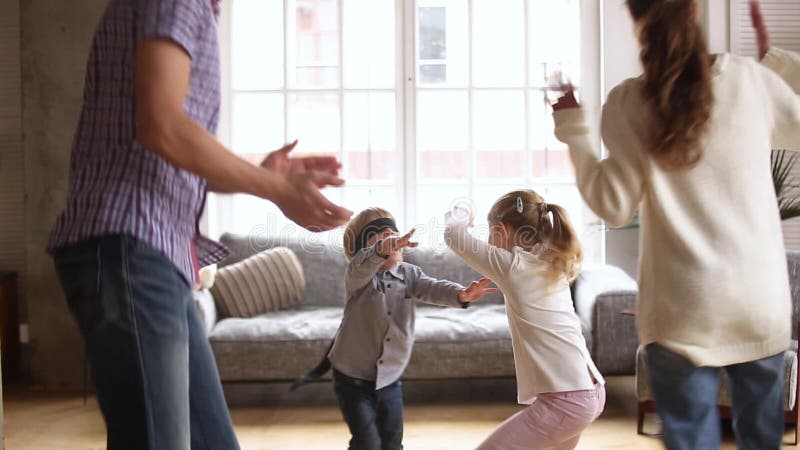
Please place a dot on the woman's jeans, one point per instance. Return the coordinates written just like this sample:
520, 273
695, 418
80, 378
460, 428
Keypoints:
155, 375
686, 397
374, 417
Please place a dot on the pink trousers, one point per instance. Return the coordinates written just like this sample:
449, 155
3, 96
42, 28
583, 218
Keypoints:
554, 421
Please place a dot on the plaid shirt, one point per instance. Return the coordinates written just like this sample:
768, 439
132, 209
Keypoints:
116, 186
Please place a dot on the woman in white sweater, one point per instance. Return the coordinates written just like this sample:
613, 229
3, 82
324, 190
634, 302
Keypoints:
689, 147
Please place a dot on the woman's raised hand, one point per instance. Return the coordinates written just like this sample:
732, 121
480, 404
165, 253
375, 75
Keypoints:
566, 101
762, 35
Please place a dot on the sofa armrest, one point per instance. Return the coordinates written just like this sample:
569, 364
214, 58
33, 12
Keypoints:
614, 335
206, 308
594, 281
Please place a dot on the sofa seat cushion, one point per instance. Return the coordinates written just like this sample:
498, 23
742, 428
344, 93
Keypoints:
644, 392
477, 323
450, 343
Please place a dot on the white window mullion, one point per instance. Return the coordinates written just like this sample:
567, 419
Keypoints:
471, 112
528, 176
342, 155
285, 89
407, 77
220, 208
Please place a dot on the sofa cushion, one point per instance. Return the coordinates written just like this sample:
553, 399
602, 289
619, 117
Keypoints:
321, 256
206, 309
450, 343
268, 281
644, 392
593, 281
443, 264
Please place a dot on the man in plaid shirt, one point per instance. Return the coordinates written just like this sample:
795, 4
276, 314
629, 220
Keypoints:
127, 246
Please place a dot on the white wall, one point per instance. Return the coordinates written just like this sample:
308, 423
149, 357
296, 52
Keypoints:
620, 60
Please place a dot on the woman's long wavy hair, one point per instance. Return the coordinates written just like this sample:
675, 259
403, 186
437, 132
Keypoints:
532, 221
677, 79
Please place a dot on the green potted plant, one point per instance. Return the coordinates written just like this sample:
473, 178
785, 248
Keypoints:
785, 187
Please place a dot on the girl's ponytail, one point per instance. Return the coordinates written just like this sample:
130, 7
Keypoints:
541, 227
677, 79
562, 248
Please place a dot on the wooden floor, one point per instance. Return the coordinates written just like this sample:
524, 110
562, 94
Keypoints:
51, 421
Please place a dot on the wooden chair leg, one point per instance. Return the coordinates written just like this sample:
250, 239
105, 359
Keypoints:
640, 422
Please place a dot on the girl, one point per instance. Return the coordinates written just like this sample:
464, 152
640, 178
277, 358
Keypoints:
688, 146
532, 255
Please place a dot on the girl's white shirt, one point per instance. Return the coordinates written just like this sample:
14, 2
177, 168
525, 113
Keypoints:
550, 353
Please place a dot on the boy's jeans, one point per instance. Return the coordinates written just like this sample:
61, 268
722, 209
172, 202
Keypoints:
157, 383
686, 397
375, 418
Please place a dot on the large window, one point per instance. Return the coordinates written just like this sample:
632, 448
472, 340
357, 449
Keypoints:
425, 101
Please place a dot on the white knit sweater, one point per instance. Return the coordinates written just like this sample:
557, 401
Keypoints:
713, 281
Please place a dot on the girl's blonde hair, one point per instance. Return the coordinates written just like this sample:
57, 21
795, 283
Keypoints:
357, 224
533, 221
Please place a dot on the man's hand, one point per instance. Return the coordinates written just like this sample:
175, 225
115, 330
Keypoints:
280, 161
394, 243
475, 291
762, 35
302, 202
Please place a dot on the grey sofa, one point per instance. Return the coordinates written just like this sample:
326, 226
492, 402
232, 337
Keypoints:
450, 342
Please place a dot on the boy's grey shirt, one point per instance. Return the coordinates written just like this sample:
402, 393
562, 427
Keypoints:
375, 339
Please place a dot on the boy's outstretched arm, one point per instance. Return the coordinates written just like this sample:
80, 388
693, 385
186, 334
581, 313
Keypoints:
446, 293
362, 268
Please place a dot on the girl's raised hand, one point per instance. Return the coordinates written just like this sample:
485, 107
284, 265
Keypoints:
394, 243
476, 290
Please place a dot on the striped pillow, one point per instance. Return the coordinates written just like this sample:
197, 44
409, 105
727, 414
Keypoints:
267, 281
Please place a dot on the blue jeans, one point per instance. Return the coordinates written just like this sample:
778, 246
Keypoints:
156, 380
374, 417
686, 397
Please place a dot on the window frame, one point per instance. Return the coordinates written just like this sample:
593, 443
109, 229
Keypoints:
220, 208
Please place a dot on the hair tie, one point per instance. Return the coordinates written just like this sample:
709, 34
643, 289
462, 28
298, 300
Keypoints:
520, 206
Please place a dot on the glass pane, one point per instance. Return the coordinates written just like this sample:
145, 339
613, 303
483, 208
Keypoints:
369, 136
546, 20
442, 36
314, 120
540, 113
257, 122
359, 198
433, 202
499, 42
568, 197
499, 133
484, 197
369, 44
313, 50
252, 215
559, 164
442, 127
257, 45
